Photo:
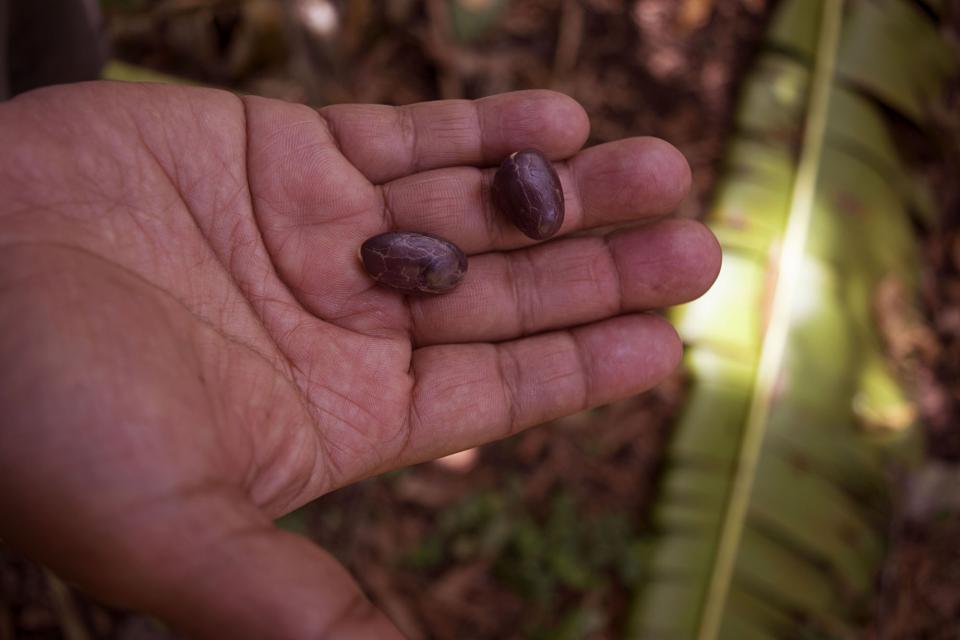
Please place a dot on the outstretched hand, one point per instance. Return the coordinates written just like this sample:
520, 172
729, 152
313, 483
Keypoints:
189, 347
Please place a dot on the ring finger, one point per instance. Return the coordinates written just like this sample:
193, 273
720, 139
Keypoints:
571, 281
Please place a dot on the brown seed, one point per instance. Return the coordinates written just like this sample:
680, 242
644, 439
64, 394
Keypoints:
413, 262
526, 188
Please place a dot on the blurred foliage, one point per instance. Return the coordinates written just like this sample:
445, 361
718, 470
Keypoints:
473, 18
124, 5
776, 499
123, 72
561, 561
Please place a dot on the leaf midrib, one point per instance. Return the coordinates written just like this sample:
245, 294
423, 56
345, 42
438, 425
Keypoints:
775, 339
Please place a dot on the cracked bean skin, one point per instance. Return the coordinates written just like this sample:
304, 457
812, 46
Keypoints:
413, 262
526, 188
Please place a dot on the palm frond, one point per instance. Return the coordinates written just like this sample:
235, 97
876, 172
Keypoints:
775, 499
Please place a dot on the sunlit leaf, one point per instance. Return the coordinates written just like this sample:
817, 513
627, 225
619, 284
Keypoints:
775, 499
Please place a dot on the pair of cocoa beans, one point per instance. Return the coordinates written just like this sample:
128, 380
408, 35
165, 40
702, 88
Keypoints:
526, 188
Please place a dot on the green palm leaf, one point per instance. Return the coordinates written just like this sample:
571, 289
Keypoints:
775, 498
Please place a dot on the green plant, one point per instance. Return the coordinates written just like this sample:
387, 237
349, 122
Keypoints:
776, 498
560, 558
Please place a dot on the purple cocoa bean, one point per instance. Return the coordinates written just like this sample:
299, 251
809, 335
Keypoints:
526, 188
413, 262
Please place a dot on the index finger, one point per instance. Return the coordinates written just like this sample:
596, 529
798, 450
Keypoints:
386, 143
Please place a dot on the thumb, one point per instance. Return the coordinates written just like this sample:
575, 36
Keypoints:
217, 567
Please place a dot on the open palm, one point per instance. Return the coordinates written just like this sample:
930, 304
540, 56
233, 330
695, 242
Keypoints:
189, 347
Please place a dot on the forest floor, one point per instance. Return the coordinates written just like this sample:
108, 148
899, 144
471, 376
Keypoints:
538, 536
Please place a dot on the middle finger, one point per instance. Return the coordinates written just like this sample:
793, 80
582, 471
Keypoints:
632, 179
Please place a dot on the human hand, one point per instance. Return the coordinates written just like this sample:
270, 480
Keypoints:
190, 349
